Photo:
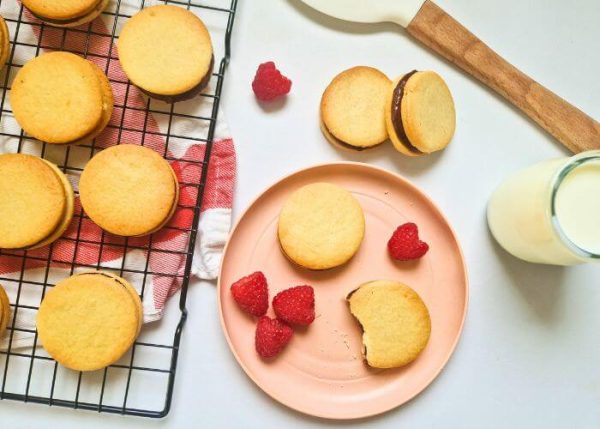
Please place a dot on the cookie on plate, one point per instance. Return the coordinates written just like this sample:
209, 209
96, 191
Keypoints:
36, 202
321, 226
167, 52
66, 13
4, 311
395, 322
4, 42
88, 321
61, 98
353, 106
129, 190
420, 115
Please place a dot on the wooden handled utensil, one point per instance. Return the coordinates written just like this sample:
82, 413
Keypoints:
433, 27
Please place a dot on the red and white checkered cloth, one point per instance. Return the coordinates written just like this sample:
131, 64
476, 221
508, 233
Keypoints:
164, 260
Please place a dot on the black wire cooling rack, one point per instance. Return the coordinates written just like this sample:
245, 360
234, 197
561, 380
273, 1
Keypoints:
141, 383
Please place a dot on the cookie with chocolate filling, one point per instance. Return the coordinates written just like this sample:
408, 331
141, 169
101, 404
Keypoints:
167, 52
61, 98
66, 13
395, 322
88, 321
419, 114
36, 202
352, 108
129, 190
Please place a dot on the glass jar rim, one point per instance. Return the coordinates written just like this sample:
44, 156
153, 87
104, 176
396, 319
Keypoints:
557, 180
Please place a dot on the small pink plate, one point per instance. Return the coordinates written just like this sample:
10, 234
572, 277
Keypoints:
321, 372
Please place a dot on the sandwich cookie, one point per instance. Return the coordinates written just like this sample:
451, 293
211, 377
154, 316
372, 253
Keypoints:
129, 190
66, 13
395, 322
420, 115
321, 226
167, 52
4, 311
4, 42
61, 98
353, 106
88, 321
36, 202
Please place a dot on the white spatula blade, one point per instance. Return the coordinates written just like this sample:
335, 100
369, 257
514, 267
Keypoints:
369, 11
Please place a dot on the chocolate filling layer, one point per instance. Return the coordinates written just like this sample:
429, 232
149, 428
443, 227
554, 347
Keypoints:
191, 93
397, 112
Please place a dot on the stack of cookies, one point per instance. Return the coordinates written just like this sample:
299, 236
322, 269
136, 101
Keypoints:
66, 13
61, 98
36, 202
361, 108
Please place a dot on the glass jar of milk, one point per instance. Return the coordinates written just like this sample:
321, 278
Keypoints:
549, 213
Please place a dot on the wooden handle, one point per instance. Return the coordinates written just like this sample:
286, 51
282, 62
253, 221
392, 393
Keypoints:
442, 33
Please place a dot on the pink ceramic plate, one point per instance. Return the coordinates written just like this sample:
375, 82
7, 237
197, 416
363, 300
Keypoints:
321, 372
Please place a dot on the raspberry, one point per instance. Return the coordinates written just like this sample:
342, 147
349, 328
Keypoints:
271, 337
252, 294
405, 245
269, 83
295, 305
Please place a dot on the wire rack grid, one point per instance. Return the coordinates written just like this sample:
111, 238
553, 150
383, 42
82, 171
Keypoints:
30, 375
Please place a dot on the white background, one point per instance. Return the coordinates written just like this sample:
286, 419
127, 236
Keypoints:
530, 351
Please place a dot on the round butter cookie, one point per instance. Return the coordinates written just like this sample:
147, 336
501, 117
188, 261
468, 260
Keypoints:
321, 226
66, 13
57, 98
420, 115
33, 202
4, 311
353, 106
395, 322
167, 52
128, 190
88, 321
4, 42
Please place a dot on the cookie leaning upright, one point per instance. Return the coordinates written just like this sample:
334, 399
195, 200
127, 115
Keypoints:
129, 190
88, 321
395, 322
4, 42
61, 98
66, 13
167, 52
4, 311
352, 108
36, 202
321, 226
420, 115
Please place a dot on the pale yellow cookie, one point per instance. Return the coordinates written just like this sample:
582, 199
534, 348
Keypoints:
353, 106
420, 115
32, 201
88, 321
57, 98
167, 52
395, 322
321, 226
128, 190
66, 13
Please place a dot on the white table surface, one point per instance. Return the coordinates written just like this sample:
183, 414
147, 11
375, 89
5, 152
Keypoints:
529, 355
